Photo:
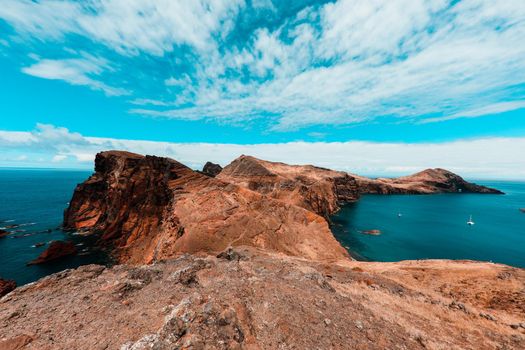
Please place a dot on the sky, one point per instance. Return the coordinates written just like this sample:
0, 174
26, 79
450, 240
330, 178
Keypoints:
373, 87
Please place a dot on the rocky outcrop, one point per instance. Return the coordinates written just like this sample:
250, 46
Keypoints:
149, 208
425, 182
6, 286
316, 189
211, 169
252, 299
56, 250
4, 233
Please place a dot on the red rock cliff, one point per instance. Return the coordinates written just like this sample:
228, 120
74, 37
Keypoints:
317, 189
152, 208
424, 182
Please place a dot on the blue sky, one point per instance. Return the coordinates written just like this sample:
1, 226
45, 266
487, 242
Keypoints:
260, 72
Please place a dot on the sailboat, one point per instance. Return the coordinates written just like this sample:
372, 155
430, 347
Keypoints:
470, 222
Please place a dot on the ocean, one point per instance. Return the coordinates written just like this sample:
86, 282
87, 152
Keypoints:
435, 226
32, 204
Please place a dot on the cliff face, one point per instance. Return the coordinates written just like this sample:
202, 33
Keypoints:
316, 189
251, 299
151, 208
425, 182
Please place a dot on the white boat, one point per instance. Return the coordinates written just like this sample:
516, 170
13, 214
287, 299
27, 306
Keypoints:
470, 222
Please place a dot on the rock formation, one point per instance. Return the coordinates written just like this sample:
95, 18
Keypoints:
316, 189
425, 182
211, 169
4, 233
6, 286
151, 208
252, 299
56, 250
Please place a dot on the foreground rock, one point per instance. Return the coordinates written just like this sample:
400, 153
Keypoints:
6, 286
316, 189
211, 169
4, 233
250, 299
56, 250
150, 208
425, 182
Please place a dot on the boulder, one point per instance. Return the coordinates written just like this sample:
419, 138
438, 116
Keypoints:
6, 286
56, 250
211, 169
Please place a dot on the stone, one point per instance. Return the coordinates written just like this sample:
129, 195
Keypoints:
56, 250
16, 343
6, 286
211, 169
230, 255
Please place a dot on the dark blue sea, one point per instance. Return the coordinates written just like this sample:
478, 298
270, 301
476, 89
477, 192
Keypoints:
32, 204
434, 226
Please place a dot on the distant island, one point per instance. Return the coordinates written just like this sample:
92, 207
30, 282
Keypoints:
243, 258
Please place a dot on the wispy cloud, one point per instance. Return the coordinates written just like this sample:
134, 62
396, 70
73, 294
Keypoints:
492, 158
495, 108
343, 62
79, 71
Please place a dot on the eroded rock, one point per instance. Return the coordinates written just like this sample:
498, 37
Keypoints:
56, 250
211, 169
151, 208
424, 182
6, 286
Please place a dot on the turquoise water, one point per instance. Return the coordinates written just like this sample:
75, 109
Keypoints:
34, 201
434, 226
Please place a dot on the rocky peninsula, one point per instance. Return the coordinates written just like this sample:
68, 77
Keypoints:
246, 260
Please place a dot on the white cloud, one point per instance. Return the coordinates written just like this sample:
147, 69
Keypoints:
127, 26
406, 59
76, 71
495, 108
58, 158
492, 158
344, 62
